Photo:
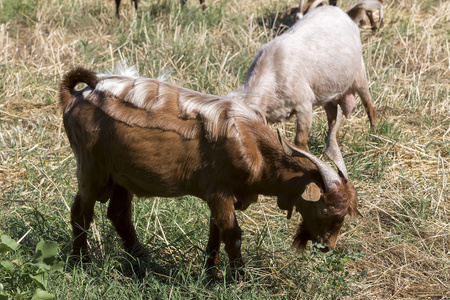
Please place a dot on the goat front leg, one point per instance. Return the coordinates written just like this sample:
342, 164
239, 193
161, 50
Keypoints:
304, 120
212, 250
119, 212
224, 221
202, 3
331, 111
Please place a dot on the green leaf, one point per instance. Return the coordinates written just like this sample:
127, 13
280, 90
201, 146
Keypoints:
40, 279
3, 297
42, 295
45, 252
57, 267
7, 265
7, 244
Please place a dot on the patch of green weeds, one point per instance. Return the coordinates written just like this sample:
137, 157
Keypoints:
330, 276
22, 11
27, 277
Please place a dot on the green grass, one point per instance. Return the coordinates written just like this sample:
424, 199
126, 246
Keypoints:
398, 249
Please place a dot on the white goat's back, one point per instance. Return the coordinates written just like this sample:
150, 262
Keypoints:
316, 59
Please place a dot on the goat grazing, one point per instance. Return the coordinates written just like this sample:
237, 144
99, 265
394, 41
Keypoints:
316, 62
133, 135
356, 13
202, 3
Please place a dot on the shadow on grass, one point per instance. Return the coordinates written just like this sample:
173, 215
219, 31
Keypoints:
273, 21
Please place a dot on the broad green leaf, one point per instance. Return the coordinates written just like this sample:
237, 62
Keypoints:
42, 266
7, 265
40, 279
42, 295
7, 244
3, 297
45, 252
57, 267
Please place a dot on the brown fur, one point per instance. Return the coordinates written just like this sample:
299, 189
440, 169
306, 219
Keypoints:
123, 150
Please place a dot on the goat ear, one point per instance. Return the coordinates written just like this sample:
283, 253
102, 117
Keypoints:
312, 192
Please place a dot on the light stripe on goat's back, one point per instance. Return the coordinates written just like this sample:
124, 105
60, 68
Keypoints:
218, 114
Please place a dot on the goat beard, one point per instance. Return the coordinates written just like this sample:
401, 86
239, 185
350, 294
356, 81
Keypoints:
301, 237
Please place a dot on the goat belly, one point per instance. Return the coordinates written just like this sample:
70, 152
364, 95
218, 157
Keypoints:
148, 162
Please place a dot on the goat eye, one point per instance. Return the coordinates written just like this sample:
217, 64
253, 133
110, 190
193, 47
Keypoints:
324, 211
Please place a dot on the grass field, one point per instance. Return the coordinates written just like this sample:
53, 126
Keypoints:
398, 249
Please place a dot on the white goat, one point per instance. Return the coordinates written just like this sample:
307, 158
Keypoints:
317, 62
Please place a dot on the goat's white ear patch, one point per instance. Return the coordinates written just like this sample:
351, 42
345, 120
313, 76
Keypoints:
312, 192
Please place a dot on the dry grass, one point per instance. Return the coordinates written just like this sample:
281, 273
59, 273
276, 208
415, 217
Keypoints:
401, 172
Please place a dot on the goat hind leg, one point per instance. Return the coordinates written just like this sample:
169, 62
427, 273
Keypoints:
81, 215
119, 212
361, 86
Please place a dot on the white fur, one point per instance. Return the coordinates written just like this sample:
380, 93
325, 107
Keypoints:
150, 94
313, 63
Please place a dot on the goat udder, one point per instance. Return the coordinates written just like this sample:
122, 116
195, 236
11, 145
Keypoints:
347, 103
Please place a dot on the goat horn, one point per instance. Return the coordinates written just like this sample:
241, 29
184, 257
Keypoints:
329, 175
332, 151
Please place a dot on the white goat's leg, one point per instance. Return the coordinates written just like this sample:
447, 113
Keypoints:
304, 121
331, 111
361, 86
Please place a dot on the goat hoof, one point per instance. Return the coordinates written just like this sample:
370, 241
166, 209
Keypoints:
214, 273
77, 258
138, 251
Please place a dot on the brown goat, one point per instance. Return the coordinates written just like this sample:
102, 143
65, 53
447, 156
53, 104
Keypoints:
133, 135
202, 3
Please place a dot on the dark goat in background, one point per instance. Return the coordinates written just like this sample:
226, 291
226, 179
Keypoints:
202, 2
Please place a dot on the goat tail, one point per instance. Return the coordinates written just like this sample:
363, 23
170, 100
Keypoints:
70, 80
359, 10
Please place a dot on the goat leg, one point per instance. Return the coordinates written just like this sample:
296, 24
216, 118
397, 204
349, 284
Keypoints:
223, 216
361, 86
232, 240
202, 3
304, 120
117, 9
82, 213
119, 212
372, 21
331, 111
212, 250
